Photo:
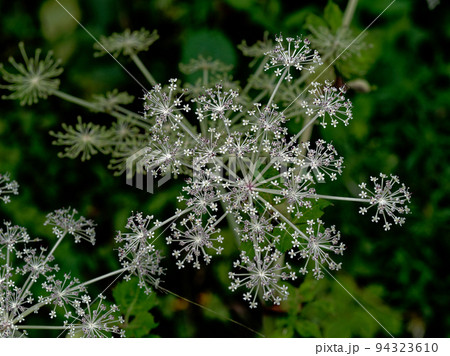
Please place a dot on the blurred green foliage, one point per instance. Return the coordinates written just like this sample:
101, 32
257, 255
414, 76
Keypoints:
401, 126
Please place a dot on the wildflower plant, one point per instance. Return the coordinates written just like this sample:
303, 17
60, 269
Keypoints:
243, 166
7, 188
32, 282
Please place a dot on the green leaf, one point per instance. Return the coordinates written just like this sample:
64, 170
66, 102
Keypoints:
209, 44
141, 325
134, 304
315, 21
285, 243
247, 246
241, 4
314, 213
131, 299
307, 328
333, 15
298, 18
308, 289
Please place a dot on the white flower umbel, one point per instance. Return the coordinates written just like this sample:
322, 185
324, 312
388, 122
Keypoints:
245, 167
165, 106
316, 247
194, 240
137, 254
387, 201
297, 54
100, 322
328, 102
217, 104
261, 275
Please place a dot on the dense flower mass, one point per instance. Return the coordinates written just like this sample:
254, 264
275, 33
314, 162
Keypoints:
30, 281
137, 253
246, 166
246, 162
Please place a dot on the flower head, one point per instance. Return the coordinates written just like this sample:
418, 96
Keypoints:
201, 64
194, 241
322, 161
165, 105
137, 254
388, 202
98, 322
85, 139
328, 102
216, 104
129, 43
66, 222
316, 246
7, 187
112, 99
36, 79
261, 274
12, 235
297, 54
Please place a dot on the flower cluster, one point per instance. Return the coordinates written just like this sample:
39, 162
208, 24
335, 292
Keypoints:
329, 102
7, 187
36, 79
137, 254
248, 165
24, 267
261, 276
388, 202
64, 222
129, 43
31, 281
297, 54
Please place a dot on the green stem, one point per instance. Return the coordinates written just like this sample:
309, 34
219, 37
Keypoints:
307, 132
43, 327
278, 85
143, 124
143, 69
205, 77
55, 247
255, 75
29, 311
99, 278
129, 112
349, 12
332, 197
304, 128
75, 100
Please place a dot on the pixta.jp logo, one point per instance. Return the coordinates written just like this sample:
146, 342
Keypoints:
138, 176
